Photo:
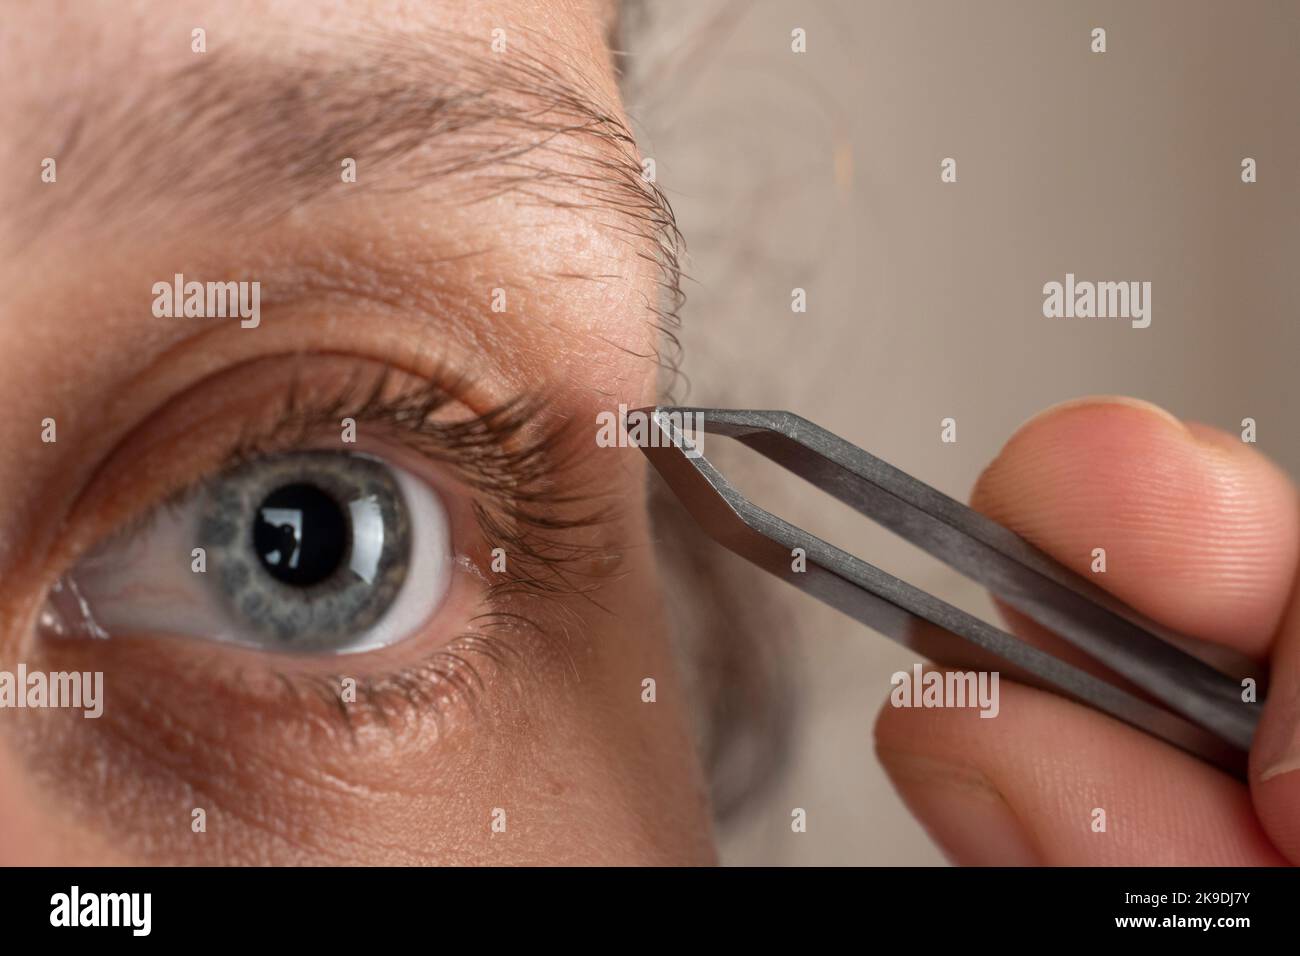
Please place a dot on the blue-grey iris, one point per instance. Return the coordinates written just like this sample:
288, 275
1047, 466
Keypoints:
308, 548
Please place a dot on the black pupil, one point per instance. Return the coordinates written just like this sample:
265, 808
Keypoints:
301, 534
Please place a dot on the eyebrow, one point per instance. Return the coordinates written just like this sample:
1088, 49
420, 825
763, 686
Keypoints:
245, 132
236, 140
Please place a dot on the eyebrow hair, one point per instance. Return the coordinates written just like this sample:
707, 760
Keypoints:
239, 140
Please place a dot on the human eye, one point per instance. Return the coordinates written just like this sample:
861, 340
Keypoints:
308, 550
315, 551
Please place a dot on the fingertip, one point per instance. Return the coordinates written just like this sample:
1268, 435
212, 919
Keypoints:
1189, 526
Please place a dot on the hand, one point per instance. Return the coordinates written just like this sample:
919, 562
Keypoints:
1201, 534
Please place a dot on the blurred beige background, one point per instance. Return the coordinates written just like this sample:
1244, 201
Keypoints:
821, 171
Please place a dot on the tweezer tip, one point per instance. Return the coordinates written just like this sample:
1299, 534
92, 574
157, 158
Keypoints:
667, 428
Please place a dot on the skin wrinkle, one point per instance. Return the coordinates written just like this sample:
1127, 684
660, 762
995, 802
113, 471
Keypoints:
272, 773
954, 778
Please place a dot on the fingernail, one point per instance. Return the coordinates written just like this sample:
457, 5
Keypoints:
961, 810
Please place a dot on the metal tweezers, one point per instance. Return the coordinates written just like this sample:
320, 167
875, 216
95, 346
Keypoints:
1144, 678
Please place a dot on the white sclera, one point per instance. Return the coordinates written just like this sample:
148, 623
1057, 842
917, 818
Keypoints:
144, 583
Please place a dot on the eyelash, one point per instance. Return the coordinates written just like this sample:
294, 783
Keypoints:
511, 457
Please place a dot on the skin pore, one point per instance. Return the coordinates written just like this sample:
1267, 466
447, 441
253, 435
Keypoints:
471, 178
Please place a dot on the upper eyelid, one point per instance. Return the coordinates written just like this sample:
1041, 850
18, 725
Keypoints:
410, 311
410, 416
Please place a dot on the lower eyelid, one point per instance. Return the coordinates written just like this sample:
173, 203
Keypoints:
443, 664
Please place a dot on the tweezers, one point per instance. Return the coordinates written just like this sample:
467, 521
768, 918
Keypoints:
1135, 670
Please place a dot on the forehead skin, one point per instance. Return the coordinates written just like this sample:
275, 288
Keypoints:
402, 270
